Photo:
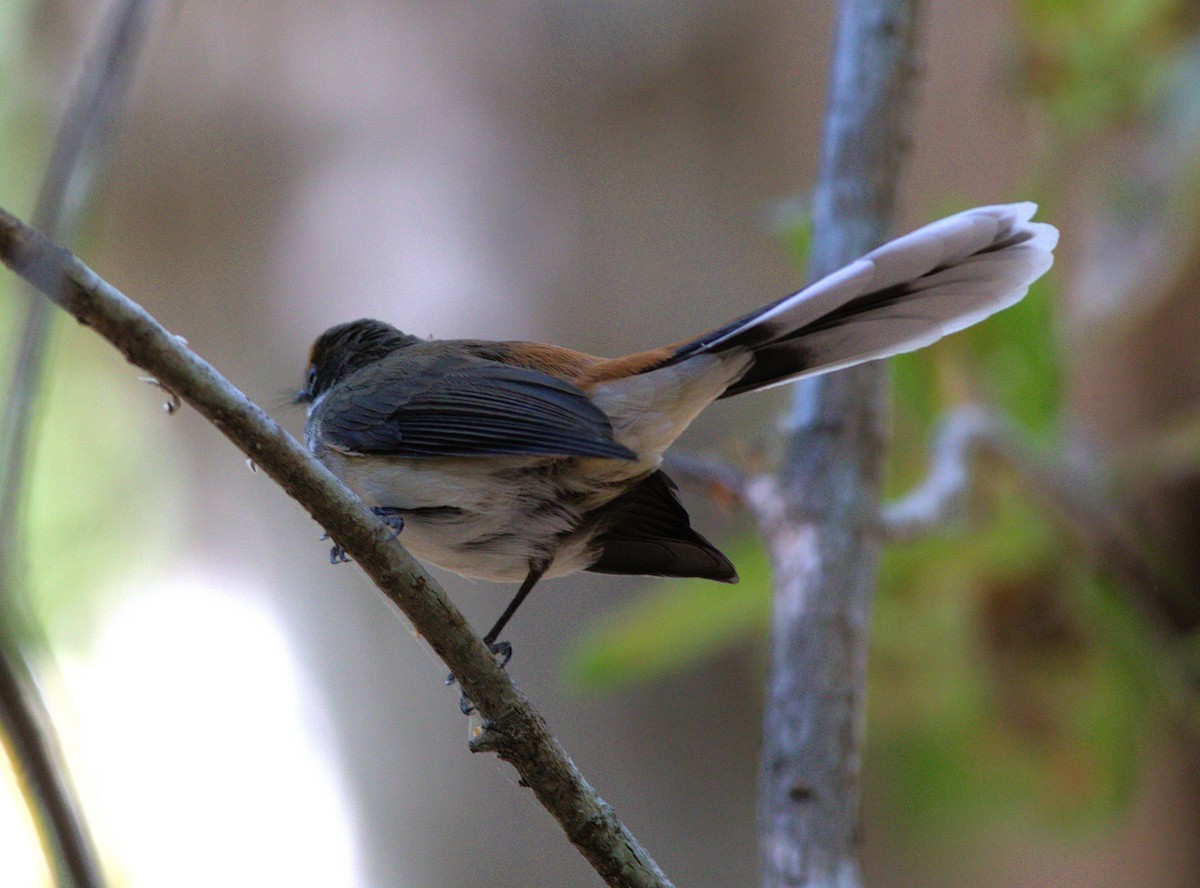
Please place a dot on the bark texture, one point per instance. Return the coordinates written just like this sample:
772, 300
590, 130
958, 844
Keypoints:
820, 514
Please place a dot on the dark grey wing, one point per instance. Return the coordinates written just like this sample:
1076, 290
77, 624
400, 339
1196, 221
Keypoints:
647, 532
427, 406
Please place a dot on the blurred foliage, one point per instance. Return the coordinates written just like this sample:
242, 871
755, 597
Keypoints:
1096, 64
675, 626
107, 510
22, 129
93, 484
992, 694
1008, 680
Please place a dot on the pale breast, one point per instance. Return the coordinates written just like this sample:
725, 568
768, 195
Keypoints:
485, 517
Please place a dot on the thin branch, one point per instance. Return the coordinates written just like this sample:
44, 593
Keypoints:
28, 732
1099, 526
1075, 500
820, 515
41, 772
942, 496
512, 727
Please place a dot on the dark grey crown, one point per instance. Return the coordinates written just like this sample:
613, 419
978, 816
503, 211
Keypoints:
343, 349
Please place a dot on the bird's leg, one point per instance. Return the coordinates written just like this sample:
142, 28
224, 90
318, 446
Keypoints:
503, 649
390, 516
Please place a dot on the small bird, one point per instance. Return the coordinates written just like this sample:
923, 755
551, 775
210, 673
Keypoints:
515, 461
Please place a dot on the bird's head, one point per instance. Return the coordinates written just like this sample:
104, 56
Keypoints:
343, 349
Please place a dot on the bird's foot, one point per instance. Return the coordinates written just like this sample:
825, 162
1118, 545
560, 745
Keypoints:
503, 651
392, 517
389, 516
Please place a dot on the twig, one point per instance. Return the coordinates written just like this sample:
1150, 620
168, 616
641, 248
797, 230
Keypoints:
1074, 499
1095, 522
172, 404
820, 515
28, 732
1068, 494
514, 729
37, 760
942, 496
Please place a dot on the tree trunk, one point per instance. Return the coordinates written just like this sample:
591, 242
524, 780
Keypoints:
820, 514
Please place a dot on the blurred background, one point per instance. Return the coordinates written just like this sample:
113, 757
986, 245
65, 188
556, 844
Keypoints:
609, 176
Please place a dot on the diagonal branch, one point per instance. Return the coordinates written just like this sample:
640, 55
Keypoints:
512, 727
32, 746
1071, 496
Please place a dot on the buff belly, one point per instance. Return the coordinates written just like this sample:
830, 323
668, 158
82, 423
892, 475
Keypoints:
488, 517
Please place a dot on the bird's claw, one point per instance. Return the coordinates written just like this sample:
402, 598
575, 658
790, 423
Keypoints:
503, 650
392, 517
389, 516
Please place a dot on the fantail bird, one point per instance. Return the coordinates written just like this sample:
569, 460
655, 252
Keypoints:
518, 460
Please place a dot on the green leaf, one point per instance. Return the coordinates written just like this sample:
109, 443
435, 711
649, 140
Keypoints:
1096, 63
1017, 359
673, 625
993, 693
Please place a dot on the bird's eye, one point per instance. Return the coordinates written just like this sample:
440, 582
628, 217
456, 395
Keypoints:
309, 392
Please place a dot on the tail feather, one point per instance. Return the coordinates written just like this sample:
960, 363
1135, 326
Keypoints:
904, 295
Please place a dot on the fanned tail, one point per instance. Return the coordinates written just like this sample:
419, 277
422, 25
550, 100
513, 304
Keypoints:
904, 295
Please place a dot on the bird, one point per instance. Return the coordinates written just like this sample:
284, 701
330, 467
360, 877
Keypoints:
518, 461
